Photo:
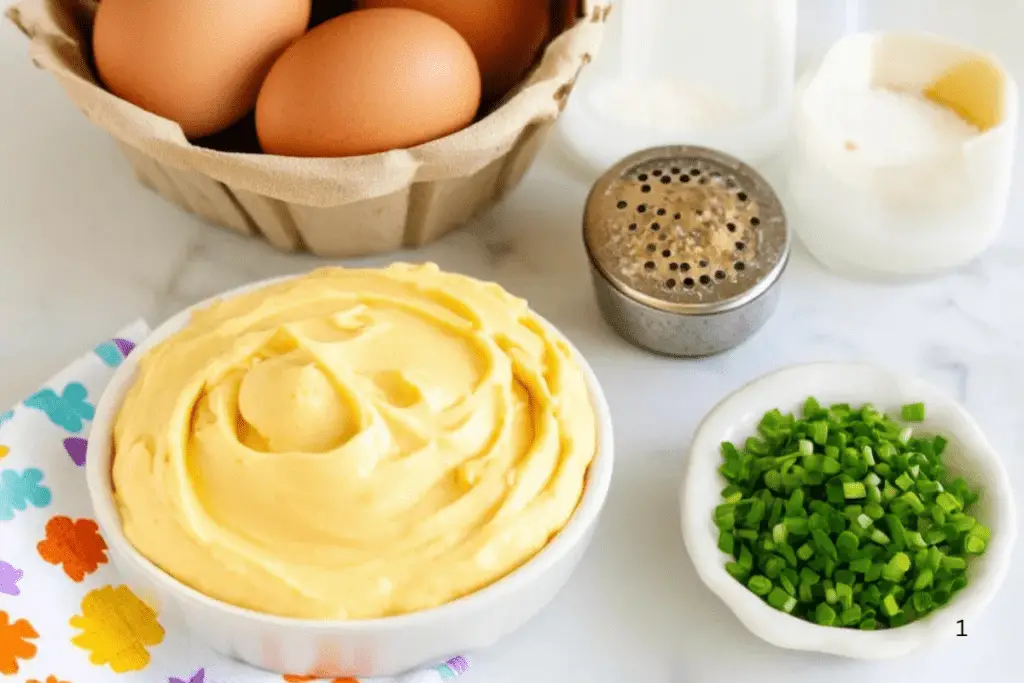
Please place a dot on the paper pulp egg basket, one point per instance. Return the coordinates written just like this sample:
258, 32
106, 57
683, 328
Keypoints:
332, 207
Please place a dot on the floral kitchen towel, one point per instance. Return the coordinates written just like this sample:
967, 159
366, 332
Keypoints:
65, 617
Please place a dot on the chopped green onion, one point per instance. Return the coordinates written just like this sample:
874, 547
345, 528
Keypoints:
964, 522
795, 504
889, 606
759, 585
812, 408
874, 511
773, 566
732, 493
954, 564
850, 615
948, 502
845, 594
736, 571
787, 583
824, 615
756, 513
913, 412
896, 568
824, 543
915, 540
896, 531
776, 512
830, 593
819, 432
746, 558
975, 545
889, 492
809, 577
787, 553
913, 502
844, 517
781, 600
861, 565
854, 489
847, 541
879, 537
922, 602
796, 525
726, 542
923, 580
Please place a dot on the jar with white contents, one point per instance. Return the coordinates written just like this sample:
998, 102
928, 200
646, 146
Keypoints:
714, 74
902, 156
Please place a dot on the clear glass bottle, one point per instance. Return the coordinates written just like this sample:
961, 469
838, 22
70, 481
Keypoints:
715, 73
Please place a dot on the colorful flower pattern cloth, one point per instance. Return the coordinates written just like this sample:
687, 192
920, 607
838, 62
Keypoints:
65, 617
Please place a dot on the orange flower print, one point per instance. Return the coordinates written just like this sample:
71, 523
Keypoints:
75, 544
49, 679
296, 678
116, 629
14, 643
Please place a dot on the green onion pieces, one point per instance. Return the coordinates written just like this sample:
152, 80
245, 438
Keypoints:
846, 518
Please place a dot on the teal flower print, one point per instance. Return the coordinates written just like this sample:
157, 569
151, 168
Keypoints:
67, 410
18, 491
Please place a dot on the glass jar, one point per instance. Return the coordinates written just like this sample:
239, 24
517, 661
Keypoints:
717, 74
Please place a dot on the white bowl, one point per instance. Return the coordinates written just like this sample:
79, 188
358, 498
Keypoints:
968, 455
375, 647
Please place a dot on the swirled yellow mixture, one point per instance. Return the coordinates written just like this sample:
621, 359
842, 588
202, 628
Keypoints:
353, 444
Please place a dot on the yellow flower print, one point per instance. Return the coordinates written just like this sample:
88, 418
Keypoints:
116, 628
4, 450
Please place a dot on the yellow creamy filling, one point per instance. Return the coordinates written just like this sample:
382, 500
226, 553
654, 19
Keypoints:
353, 443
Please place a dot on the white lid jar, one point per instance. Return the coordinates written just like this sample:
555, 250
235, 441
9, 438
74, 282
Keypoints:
902, 156
717, 74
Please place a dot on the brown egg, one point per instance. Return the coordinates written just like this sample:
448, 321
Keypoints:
505, 35
367, 82
197, 62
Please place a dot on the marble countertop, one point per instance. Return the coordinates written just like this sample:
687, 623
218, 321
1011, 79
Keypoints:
85, 249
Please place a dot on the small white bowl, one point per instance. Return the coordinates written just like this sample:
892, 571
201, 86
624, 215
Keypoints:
968, 455
365, 648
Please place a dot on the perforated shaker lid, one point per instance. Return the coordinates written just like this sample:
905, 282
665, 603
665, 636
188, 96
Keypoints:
686, 230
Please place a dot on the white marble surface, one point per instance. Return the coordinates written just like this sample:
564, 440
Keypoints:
84, 249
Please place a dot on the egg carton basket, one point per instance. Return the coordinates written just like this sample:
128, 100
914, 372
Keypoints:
332, 207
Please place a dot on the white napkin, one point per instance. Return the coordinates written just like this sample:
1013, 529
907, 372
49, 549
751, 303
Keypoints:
63, 615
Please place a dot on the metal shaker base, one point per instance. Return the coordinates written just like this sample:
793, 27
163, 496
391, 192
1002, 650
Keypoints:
681, 335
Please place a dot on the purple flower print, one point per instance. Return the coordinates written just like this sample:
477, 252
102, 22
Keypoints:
75, 447
9, 577
125, 346
197, 677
